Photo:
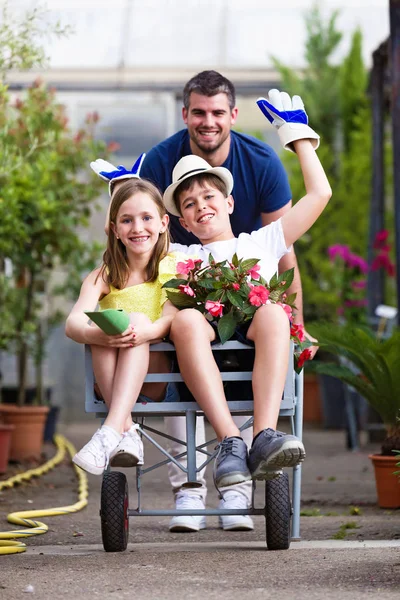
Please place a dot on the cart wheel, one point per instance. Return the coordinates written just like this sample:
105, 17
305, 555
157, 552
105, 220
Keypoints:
277, 513
114, 512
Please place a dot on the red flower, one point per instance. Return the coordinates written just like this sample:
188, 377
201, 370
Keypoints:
258, 295
297, 331
214, 308
186, 289
305, 355
236, 286
380, 238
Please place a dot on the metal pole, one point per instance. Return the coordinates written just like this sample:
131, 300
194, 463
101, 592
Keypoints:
376, 219
395, 109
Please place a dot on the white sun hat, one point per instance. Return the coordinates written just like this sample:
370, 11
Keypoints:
188, 166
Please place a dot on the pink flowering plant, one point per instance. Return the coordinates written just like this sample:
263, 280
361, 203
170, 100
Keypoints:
350, 274
229, 293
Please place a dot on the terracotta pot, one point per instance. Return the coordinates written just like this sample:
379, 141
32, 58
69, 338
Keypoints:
27, 437
5, 445
312, 404
387, 484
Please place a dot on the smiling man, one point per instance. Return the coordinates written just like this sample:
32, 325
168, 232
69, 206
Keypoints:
262, 195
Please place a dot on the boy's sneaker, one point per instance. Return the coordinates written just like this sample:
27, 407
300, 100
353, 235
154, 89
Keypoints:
186, 523
271, 450
129, 452
231, 462
234, 500
95, 455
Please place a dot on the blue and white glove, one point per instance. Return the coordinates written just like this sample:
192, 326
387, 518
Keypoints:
289, 117
111, 173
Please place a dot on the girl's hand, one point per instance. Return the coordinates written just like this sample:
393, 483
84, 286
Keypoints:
143, 333
97, 337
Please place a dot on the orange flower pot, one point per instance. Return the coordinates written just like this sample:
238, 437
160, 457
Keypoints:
27, 437
5, 445
387, 483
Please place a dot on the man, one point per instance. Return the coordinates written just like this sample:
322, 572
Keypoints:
262, 195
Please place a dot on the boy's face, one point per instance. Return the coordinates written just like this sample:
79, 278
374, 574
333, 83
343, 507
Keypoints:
205, 213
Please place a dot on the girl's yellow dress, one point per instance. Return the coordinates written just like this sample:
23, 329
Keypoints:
149, 297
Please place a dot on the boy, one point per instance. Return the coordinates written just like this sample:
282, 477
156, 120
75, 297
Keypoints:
200, 197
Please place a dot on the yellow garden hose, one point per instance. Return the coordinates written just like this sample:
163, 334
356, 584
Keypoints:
8, 545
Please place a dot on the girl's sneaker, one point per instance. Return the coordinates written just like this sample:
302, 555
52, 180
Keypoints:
129, 452
95, 455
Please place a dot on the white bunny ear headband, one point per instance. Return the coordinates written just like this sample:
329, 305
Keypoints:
111, 173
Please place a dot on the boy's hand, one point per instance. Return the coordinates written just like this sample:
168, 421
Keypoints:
111, 173
289, 117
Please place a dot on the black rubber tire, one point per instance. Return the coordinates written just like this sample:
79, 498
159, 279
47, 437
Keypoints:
278, 513
114, 512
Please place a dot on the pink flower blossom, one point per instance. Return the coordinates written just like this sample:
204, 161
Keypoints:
258, 295
183, 268
236, 286
305, 355
359, 285
186, 289
297, 330
215, 308
338, 250
286, 308
356, 262
254, 272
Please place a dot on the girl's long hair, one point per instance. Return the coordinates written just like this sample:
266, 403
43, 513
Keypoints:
115, 269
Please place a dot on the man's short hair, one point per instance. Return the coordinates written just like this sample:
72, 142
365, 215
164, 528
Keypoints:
209, 83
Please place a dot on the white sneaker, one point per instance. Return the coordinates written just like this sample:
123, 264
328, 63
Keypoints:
185, 523
232, 499
129, 452
95, 455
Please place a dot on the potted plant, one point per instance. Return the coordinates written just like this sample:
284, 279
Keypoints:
45, 201
372, 368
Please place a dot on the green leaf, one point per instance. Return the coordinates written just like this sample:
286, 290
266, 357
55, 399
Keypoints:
286, 277
226, 327
249, 263
175, 283
181, 300
236, 299
228, 274
209, 284
235, 260
291, 299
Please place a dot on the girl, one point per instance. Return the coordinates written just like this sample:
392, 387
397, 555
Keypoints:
136, 263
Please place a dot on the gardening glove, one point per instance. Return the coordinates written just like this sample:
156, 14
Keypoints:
289, 118
110, 173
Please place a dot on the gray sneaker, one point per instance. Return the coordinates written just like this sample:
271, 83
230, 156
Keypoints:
231, 462
271, 451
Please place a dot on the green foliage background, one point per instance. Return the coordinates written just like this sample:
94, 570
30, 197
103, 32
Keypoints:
336, 100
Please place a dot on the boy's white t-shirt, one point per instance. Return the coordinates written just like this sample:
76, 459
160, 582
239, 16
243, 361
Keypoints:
267, 244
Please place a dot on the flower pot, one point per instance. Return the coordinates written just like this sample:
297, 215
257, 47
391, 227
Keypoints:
5, 445
312, 405
50, 427
27, 437
387, 483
